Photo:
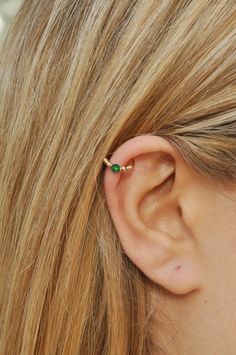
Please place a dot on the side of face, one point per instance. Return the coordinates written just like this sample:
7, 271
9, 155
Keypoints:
179, 228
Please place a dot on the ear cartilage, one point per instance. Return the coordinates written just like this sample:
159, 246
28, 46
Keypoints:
116, 168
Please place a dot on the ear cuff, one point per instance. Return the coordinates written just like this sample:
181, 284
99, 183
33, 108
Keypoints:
116, 168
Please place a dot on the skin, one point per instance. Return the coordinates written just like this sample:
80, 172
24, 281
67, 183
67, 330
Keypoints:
179, 228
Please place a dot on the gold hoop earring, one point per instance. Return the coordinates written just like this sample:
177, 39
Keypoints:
116, 168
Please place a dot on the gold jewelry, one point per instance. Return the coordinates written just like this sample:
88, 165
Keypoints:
116, 168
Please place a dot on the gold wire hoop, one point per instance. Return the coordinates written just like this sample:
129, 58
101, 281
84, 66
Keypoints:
116, 168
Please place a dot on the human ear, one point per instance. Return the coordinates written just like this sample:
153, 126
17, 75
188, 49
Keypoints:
145, 204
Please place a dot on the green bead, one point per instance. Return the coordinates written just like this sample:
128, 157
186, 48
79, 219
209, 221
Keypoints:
115, 168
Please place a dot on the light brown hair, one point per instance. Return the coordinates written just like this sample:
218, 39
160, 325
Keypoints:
78, 78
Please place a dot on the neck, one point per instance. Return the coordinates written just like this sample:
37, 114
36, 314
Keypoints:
198, 323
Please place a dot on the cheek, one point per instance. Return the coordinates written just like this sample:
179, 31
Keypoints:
215, 231
211, 217
217, 220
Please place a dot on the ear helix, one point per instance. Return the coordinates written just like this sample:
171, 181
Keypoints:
116, 168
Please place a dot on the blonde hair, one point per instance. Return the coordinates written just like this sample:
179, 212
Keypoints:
78, 79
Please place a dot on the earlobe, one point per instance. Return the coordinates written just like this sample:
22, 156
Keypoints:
145, 208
